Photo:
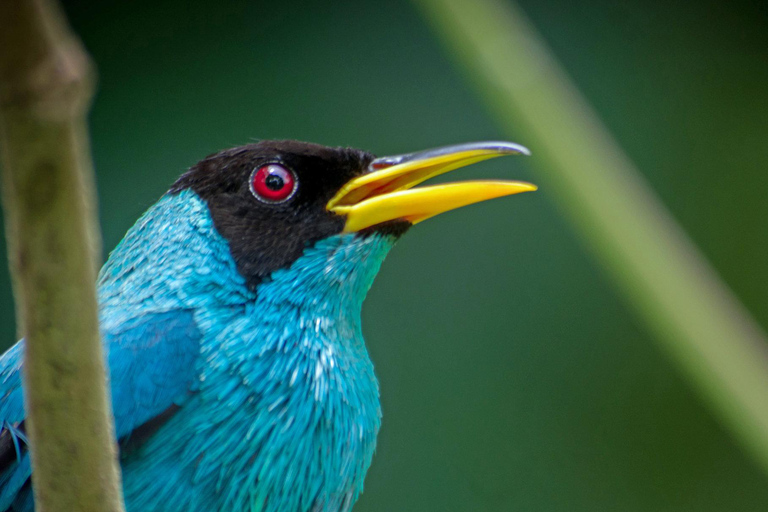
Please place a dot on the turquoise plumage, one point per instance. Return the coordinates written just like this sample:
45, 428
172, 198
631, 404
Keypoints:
173, 307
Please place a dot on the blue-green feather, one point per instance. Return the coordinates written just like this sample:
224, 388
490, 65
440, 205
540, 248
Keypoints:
278, 401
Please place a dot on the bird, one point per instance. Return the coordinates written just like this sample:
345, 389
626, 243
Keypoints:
230, 321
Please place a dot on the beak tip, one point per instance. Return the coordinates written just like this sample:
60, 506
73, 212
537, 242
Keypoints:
510, 148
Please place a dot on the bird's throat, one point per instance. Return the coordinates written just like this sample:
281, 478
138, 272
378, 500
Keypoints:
331, 279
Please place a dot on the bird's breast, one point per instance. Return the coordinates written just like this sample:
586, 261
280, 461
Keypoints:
294, 417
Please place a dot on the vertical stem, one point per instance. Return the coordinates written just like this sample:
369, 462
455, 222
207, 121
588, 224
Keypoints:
49, 201
665, 279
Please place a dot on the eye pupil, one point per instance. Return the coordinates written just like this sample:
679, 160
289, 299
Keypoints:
273, 183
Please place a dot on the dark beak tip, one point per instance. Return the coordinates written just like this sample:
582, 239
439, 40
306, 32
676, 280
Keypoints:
525, 151
509, 148
501, 147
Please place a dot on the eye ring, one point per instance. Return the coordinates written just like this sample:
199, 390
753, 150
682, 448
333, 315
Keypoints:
273, 183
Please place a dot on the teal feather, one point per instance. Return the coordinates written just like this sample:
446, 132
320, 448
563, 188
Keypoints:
278, 401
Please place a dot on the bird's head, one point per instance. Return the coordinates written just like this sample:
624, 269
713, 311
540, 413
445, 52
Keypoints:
275, 199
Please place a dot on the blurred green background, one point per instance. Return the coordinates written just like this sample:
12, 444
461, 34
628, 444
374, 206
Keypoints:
512, 376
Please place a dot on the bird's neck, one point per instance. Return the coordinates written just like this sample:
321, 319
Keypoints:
173, 258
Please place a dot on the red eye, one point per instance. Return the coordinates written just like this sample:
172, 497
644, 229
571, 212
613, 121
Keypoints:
273, 183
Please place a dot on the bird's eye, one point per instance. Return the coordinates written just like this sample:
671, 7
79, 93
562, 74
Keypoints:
273, 183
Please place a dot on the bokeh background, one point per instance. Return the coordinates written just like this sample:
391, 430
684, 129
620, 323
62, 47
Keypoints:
513, 377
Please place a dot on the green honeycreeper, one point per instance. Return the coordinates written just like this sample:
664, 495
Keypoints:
230, 316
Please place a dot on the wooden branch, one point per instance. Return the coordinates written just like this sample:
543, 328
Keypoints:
46, 84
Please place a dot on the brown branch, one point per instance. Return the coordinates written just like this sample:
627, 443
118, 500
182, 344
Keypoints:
46, 84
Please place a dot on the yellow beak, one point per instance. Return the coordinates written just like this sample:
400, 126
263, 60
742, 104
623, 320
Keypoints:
385, 192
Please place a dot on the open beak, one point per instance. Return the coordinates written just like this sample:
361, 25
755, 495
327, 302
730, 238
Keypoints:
386, 191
